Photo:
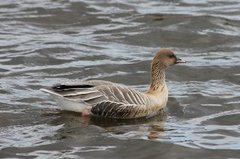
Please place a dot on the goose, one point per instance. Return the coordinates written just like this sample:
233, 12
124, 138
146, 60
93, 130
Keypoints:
112, 100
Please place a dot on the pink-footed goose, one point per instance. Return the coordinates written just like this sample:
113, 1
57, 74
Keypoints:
112, 100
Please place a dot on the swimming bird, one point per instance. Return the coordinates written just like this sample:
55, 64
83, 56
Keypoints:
113, 100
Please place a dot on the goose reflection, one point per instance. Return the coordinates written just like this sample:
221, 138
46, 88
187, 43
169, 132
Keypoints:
74, 125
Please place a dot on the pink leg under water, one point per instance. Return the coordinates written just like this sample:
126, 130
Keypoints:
86, 113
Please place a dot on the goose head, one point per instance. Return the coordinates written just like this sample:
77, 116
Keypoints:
166, 57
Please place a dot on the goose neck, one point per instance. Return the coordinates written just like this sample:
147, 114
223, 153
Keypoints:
157, 77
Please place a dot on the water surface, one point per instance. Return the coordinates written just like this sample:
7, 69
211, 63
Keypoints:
47, 42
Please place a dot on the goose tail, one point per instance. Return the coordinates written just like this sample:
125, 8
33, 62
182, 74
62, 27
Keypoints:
67, 104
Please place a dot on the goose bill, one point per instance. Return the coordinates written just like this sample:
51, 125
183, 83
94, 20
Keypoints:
180, 61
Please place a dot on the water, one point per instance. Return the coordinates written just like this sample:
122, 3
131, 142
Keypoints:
46, 42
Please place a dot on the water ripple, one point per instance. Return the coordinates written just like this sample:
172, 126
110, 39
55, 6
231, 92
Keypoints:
47, 42
19, 136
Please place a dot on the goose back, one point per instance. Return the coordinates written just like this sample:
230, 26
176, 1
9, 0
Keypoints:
107, 99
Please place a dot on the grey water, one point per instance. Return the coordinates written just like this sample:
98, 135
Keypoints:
43, 42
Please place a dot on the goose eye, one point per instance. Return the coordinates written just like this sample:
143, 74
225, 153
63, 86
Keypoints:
171, 56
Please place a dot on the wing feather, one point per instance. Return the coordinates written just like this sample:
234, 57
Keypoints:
116, 110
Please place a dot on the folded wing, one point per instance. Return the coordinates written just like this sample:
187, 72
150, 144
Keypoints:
107, 99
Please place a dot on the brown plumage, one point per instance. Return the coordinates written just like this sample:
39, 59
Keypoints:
112, 100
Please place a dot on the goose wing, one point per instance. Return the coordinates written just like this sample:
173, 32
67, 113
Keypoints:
106, 98
79, 91
118, 110
123, 102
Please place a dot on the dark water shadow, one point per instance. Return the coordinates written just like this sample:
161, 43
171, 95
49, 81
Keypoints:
75, 119
106, 122
76, 126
